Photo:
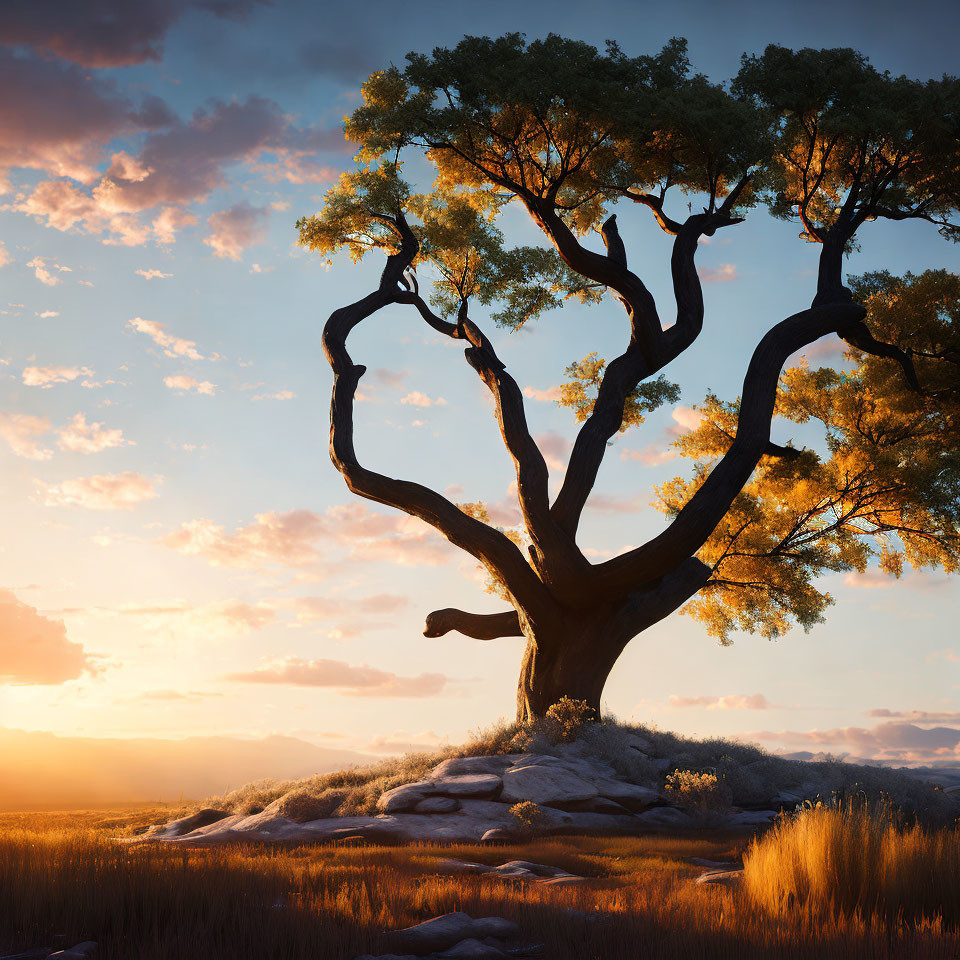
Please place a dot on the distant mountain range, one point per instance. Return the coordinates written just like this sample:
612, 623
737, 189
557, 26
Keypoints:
46, 771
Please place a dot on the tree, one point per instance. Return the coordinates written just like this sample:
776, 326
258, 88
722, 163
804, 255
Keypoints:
565, 132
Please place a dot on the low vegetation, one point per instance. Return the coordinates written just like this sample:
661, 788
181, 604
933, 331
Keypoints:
852, 858
744, 775
64, 879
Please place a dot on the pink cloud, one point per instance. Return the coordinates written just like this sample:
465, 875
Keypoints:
186, 384
917, 716
651, 455
43, 274
172, 346
722, 273
221, 619
279, 395
736, 701
47, 376
153, 274
79, 436
551, 394
235, 229
417, 399
34, 649
555, 449
362, 681
106, 491
22, 431
284, 538
686, 418
607, 504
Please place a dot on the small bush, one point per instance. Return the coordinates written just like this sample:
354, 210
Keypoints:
566, 719
700, 792
529, 816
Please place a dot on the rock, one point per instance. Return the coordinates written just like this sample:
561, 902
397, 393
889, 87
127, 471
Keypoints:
477, 785
78, 952
457, 866
497, 835
456, 766
177, 828
444, 932
661, 818
437, 805
544, 783
714, 864
638, 743
724, 877
808, 790
405, 797
474, 950
595, 805
621, 790
749, 818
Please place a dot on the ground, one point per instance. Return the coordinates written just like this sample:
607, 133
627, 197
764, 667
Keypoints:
64, 879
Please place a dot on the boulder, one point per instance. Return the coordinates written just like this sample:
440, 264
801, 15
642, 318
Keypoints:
177, 828
663, 818
437, 805
472, 949
620, 790
444, 932
498, 835
545, 783
466, 785
405, 797
749, 818
80, 951
457, 766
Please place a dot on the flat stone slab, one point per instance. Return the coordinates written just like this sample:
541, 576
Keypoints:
476, 785
545, 783
727, 878
437, 805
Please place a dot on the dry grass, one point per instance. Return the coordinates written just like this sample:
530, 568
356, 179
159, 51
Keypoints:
853, 859
61, 874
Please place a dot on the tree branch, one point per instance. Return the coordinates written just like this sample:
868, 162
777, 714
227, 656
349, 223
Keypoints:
484, 542
480, 626
696, 521
859, 336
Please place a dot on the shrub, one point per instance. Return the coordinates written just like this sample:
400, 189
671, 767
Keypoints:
530, 817
701, 792
855, 858
566, 719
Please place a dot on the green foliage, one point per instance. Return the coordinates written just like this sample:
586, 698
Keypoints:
586, 375
854, 143
887, 491
529, 816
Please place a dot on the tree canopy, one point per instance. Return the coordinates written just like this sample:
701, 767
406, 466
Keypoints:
571, 134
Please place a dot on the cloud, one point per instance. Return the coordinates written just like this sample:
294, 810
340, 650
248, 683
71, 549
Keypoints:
402, 741
34, 649
110, 33
180, 165
686, 418
417, 399
220, 620
293, 539
61, 116
829, 348
185, 384
79, 436
917, 716
105, 491
21, 432
172, 346
44, 275
607, 504
273, 538
555, 449
736, 701
48, 313
309, 609
47, 376
279, 395
153, 274
5, 257
945, 654
544, 396
894, 740
235, 229
722, 273
651, 455
875, 579
362, 681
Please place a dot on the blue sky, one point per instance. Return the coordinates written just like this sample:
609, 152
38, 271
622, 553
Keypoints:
163, 398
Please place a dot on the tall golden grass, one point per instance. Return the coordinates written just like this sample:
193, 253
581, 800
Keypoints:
66, 875
856, 859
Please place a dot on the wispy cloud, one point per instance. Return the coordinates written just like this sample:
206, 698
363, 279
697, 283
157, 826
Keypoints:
732, 701
22, 431
235, 229
722, 273
78, 436
47, 376
417, 399
354, 681
187, 384
153, 274
173, 346
105, 491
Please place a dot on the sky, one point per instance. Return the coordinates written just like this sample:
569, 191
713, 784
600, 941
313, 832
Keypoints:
179, 556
